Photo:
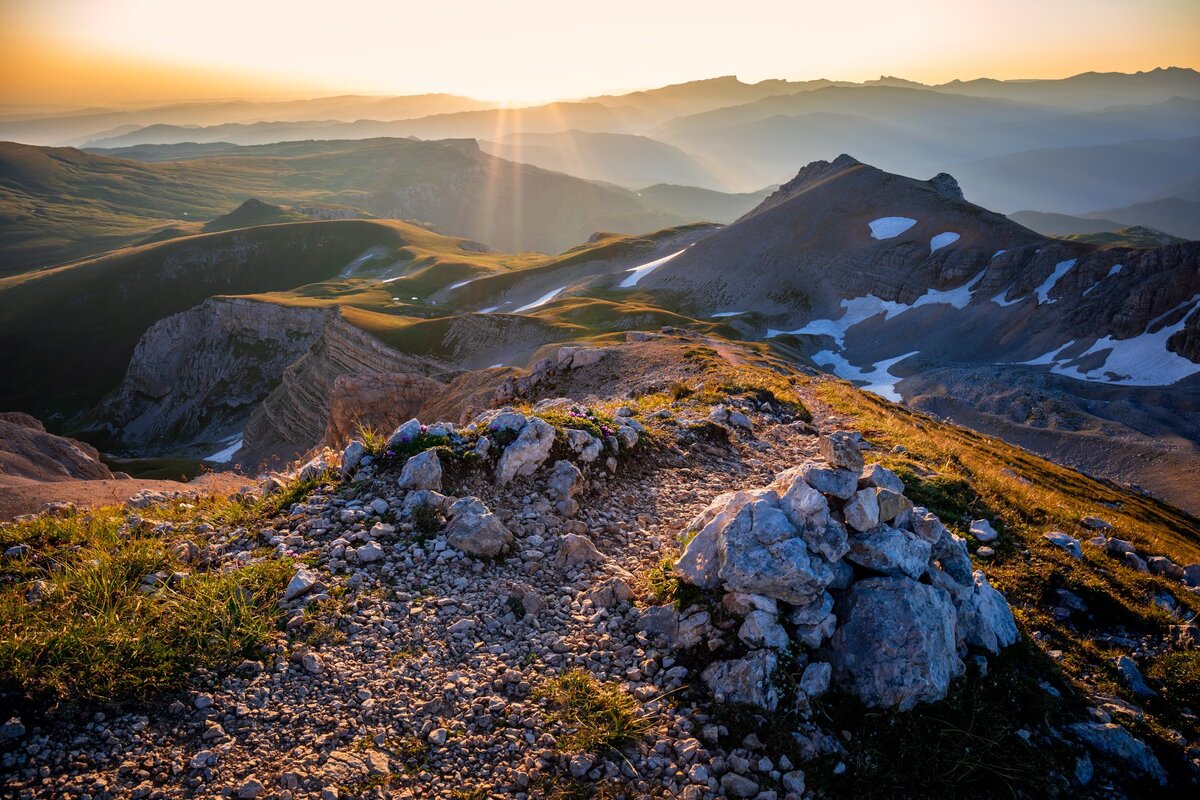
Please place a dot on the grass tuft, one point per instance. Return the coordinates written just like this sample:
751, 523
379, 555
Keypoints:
596, 715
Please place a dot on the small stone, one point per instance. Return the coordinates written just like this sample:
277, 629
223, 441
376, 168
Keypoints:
1066, 542
983, 531
250, 789
738, 785
437, 736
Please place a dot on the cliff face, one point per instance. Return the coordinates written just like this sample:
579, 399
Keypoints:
378, 401
195, 376
296, 413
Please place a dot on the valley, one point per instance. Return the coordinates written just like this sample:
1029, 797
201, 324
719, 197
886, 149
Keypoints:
779, 439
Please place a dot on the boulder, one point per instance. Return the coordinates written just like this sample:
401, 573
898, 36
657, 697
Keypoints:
610, 593
405, 434
761, 552
808, 510
815, 679
352, 456
1095, 524
1161, 565
498, 420
1191, 574
300, 584
527, 452
895, 642
422, 471
475, 530
628, 436
762, 629
369, 552
576, 549
584, 445
840, 483
893, 506
1114, 742
698, 565
890, 551
1132, 676
862, 510
841, 450
1066, 542
745, 681
565, 480
881, 478
660, 623
984, 618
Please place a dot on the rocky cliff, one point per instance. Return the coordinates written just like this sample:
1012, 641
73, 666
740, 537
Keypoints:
195, 376
296, 413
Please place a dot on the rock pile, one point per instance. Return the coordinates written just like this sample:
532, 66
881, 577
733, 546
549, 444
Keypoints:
834, 565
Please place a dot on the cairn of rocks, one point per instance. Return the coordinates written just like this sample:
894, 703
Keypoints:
831, 564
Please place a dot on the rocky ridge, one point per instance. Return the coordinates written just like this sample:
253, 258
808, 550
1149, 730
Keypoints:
450, 575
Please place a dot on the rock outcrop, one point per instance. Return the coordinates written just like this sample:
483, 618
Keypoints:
29, 453
841, 563
197, 375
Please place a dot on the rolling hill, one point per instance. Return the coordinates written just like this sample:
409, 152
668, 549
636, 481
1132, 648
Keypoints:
57, 204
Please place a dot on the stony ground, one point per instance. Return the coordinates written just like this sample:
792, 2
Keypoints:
407, 668
415, 677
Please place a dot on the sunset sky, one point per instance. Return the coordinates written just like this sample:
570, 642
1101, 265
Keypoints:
97, 52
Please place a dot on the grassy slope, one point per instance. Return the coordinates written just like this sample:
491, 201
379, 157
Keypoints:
963, 475
69, 332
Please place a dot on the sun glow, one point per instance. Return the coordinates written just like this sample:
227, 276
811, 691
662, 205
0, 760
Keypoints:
531, 51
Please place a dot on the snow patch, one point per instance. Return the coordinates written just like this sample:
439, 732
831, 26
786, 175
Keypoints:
726, 314
1047, 358
942, 240
1060, 269
1001, 299
352, 267
637, 273
890, 227
225, 455
877, 377
860, 309
460, 284
1141, 360
998, 253
541, 301
959, 298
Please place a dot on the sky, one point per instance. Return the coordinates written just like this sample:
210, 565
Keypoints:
114, 52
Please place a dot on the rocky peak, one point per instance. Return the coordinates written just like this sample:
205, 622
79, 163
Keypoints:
947, 186
809, 175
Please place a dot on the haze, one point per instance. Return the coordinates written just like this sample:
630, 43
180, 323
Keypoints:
128, 51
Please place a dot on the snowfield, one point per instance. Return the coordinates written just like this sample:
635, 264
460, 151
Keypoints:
860, 309
1141, 360
890, 227
637, 273
877, 377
